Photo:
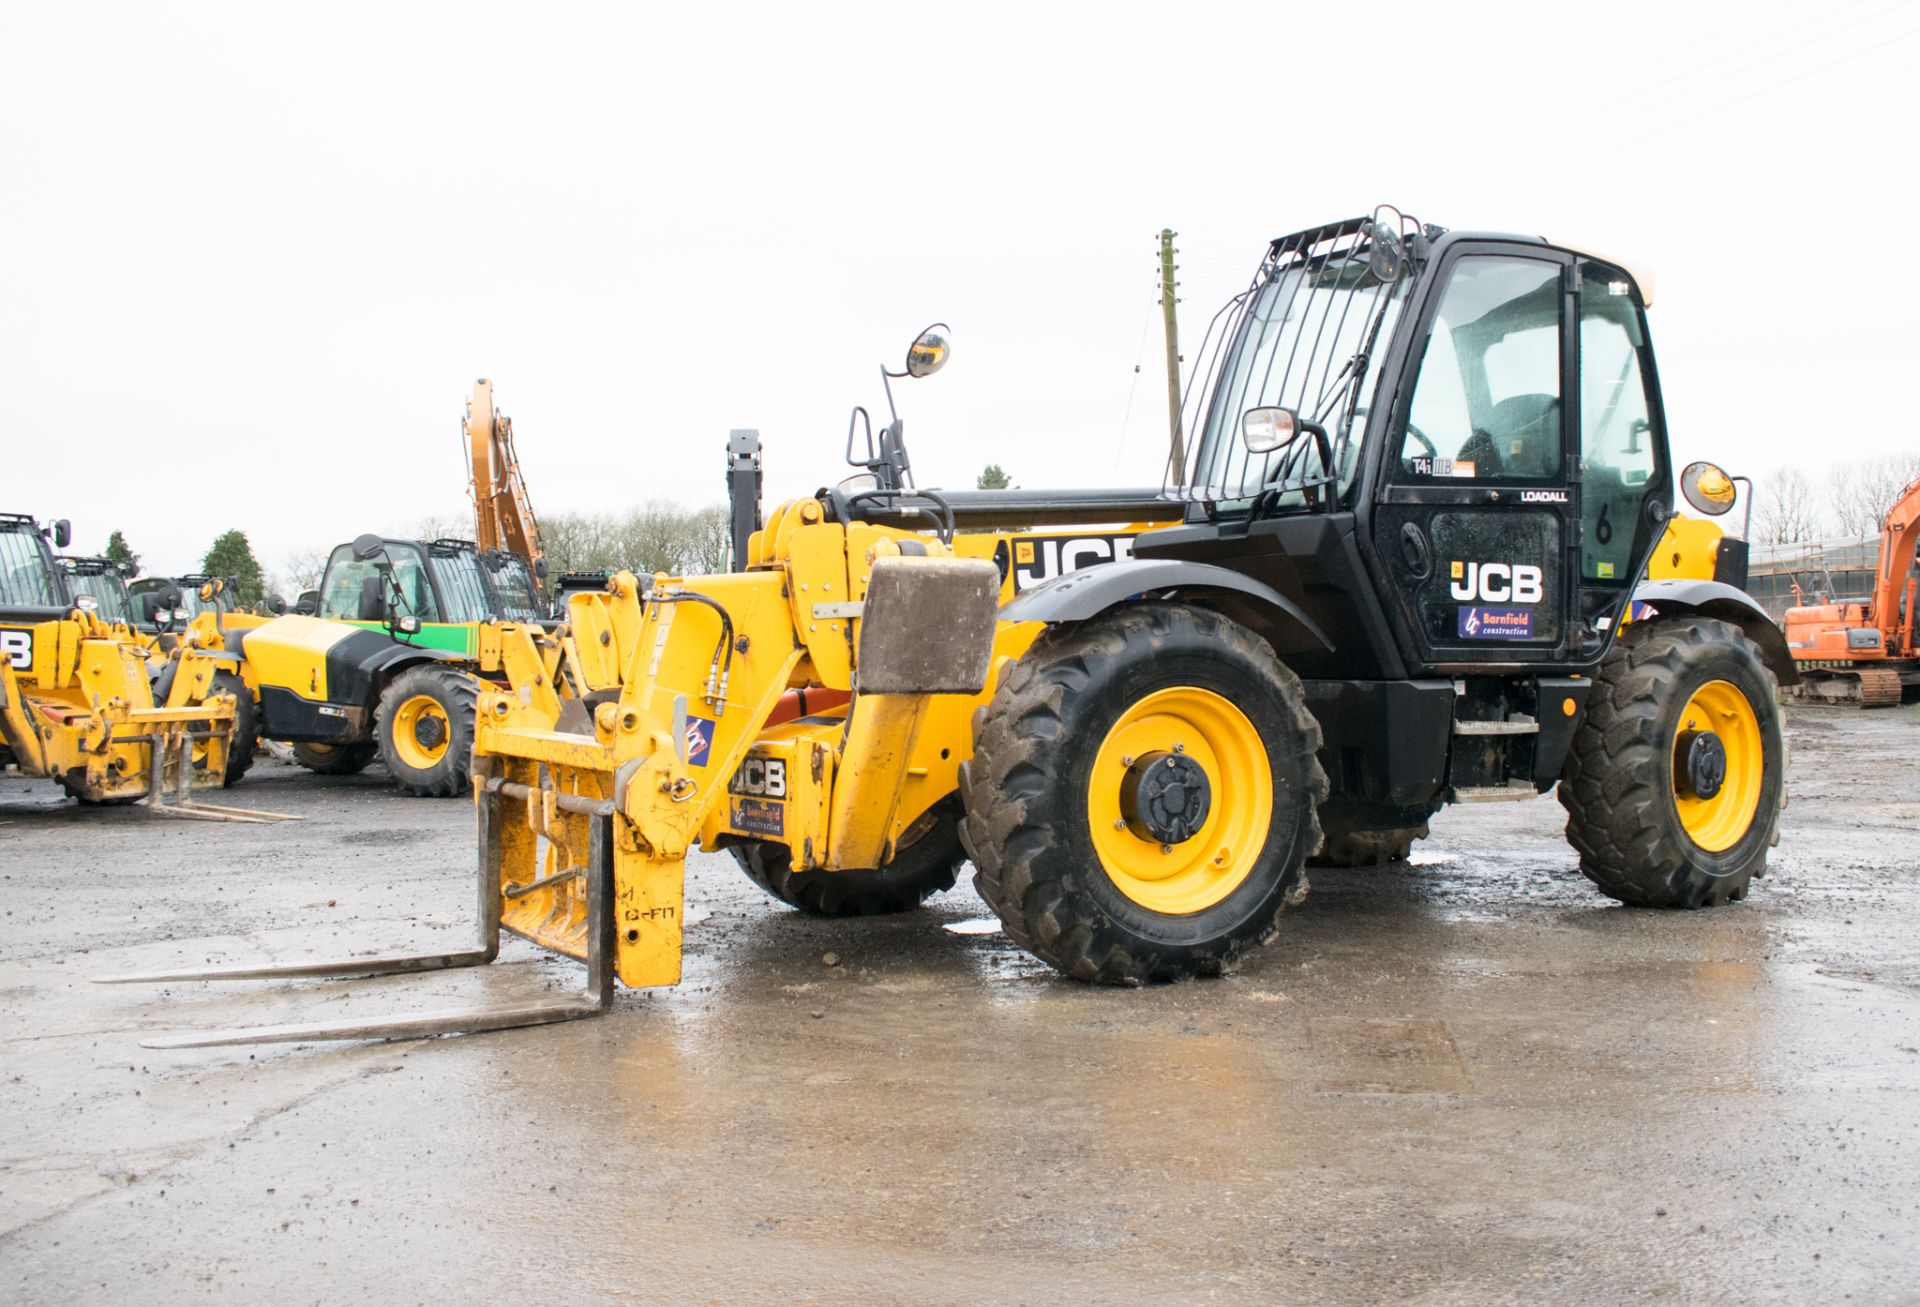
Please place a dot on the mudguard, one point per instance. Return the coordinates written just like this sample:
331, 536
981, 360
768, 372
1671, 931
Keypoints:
1078, 595
1717, 599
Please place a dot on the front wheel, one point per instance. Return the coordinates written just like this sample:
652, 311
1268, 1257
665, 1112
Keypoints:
1677, 776
1143, 793
424, 727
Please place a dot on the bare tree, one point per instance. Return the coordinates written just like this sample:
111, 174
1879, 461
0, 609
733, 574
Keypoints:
444, 526
658, 536
302, 569
1786, 511
1861, 492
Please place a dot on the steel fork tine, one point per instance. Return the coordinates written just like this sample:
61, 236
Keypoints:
596, 997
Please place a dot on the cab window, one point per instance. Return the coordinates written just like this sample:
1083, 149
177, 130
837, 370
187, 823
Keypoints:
1486, 404
459, 573
23, 569
1617, 445
341, 588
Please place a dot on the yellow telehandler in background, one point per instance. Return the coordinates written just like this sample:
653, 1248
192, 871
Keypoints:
81, 702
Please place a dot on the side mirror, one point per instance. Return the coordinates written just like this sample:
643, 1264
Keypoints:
308, 603
1386, 256
62, 533
373, 599
1707, 488
150, 607
929, 351
366, 546
276, 605
540, 568
1263, 430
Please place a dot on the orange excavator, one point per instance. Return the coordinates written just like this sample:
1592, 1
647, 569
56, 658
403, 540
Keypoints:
1863, 651
502, 511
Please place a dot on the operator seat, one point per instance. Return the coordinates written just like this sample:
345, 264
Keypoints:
1525, 429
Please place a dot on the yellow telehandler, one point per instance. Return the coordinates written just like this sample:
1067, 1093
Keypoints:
1140, 756
82, 702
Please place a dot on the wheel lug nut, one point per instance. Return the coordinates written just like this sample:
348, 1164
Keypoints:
1166, 848
1119, 823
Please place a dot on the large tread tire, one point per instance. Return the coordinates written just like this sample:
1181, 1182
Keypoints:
334, 759
1026, 793
246, 725
456, 692
1618, 781
1365, 848
926, 863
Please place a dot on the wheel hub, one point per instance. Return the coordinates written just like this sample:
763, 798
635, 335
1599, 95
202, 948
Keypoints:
429, 731
1165, 797
1701, 763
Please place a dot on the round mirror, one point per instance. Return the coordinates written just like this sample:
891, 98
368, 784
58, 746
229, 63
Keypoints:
1707, 488
1264, 430
928, 354
366, 546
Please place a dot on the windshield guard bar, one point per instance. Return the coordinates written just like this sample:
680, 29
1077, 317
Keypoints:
1300, 336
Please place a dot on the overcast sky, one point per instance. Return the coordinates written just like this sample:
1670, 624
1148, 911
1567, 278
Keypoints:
255, 254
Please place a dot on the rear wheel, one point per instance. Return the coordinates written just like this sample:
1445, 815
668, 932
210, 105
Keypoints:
1346, 847
925, 863
1677, 776
424, 727
1142, 794
334, 759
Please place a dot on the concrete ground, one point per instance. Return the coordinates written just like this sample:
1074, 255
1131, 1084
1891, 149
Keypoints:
1470, 1079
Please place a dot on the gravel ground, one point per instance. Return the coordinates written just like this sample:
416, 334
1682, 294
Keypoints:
1470, 1078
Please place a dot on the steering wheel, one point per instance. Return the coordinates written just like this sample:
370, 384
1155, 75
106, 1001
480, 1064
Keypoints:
1421, 436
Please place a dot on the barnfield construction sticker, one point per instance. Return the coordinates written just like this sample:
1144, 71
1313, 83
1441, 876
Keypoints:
1496, 623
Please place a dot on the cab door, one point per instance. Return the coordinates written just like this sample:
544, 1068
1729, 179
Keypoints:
1474, 520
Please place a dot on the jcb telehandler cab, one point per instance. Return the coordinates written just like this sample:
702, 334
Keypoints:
100, 586
1426, 472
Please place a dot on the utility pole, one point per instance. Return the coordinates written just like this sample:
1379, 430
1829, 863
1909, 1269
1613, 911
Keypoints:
1167, 313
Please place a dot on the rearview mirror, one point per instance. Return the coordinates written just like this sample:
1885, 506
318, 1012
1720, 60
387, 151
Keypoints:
1386, 256
366, 546
1707, 488
540, 568
373, 599
928, 353
276, 605
1263, 430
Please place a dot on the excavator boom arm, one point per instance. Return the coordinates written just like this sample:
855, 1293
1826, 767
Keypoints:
502, 510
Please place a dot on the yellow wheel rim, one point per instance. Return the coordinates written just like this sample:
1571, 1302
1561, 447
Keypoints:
1193, 874
1718, 822
421, 731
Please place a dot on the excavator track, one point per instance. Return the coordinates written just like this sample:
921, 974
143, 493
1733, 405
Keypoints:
1852, 687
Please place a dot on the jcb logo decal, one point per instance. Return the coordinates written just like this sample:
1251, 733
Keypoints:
17, 648
766, 777
1040, 560
1497, 583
